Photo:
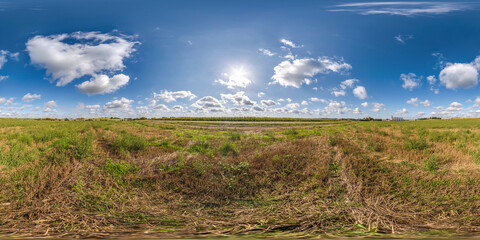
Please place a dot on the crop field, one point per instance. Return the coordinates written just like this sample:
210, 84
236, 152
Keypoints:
189, 177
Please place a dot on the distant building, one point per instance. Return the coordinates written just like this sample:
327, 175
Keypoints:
397, 118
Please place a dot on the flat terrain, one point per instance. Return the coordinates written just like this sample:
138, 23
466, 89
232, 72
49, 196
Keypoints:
167, 178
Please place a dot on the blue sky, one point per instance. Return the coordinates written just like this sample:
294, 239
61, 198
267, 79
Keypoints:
348, 59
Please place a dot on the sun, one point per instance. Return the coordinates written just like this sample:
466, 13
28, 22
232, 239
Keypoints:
239, 73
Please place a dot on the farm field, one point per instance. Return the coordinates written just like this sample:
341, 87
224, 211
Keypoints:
190, 177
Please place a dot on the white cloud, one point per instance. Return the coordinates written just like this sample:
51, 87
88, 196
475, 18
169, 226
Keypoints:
455, 106
314, 99
5, 55
238, 99
292, 105
167, 96
364, 104
31, 97
51, 104
339, 93
67, 57
100, 84
161, 108
289, 43
266, 52
3, 78
348, 83
208, 103
304, 103
122, 103
413, 101
260, 94
459, 75
401, 8
410, 81
267, 103
295, 73
377, 107
177, 108
360, 92
426, 103
357, 111
403, 38
431, 80
401, 112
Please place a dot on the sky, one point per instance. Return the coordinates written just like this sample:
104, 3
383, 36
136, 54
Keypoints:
273, 58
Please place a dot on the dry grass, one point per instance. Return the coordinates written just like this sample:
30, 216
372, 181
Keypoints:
114, 178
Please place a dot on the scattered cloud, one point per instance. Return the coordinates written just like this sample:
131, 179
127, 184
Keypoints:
268, 103
402, 111
339, 93
168, 96
238, 99
31, 97
289, 43
360, 92
349, 83
5, 56
410, 81
101, 84
51, 104
118, 104
266, 52
67, 57
299, 71
403, 38
401, 8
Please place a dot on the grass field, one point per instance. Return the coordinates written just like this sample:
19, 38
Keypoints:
176, 178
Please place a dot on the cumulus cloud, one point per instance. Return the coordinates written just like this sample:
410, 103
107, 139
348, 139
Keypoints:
267, 103
299, 71
402, 111
122, 104
413, 101
315, 99
100, 84
168, 96
289, 43
364, 104
459, 75
455, 106
348, 83
51, 104
292, 105
260, 94
238, 98
31, 97
377, 107
208, 103
161, 108
266, 52
339, 93
360, 92
410, 81
357, 111
67, 57
426, 103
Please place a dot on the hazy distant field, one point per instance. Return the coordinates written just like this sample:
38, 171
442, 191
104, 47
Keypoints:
172, 178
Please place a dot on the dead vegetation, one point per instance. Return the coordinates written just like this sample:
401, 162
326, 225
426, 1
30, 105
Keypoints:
118, 178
